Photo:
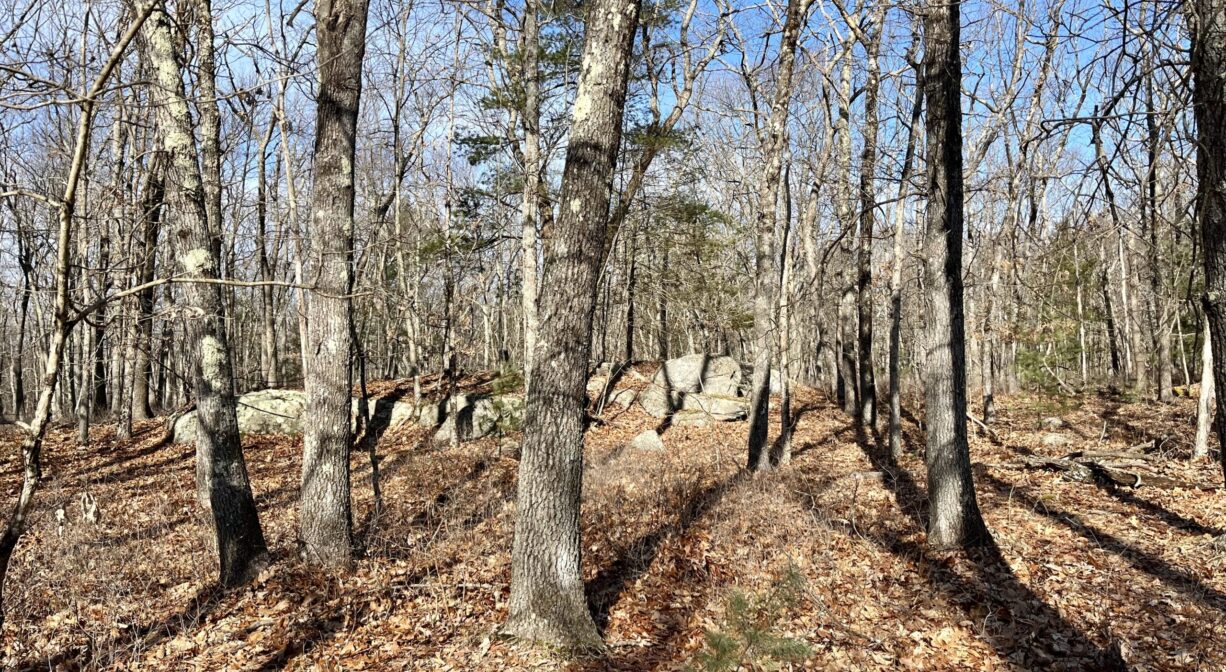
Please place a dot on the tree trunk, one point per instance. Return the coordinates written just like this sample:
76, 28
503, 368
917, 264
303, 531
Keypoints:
766, 278
151, 224
240, 540
954, 519
270, 365
1208, 21
31, 446
325, 519
868, 215
547, 602
1113, 339
530, 206
900, 204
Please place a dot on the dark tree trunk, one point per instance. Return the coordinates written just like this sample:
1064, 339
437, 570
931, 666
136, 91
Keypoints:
868, 215
900, 205
953, 519
547, 593
1160, 320
766, 277
269, 362
1113, 339
326, 523
240, 541
17, 371
1208, 21
151, 216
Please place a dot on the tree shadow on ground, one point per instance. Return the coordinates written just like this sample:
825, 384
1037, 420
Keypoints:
635, 560
1025, 629
1175, 578
109, 652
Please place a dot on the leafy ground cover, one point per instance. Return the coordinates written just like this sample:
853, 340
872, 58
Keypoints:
1083, 575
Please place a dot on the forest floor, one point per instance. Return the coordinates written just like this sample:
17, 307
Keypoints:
1080, 573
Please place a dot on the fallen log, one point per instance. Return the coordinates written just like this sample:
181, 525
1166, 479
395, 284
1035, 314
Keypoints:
1090, 471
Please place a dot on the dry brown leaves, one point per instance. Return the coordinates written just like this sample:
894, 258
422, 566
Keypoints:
1080, 572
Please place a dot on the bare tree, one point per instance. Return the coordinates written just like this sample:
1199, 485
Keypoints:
1208, 22
766, 277
954, 519
325, 519
547, 596
240, 540
63, 320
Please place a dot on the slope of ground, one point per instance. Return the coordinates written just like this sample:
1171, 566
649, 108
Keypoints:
1081, 573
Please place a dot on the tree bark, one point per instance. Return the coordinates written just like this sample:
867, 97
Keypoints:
325, 519
900, 203
1208, 22
270, 365
530, 206
868, 216
151, 224
954, 519
766, 278
547, 602
240, 540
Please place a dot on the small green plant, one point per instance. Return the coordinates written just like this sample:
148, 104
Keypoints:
748, 637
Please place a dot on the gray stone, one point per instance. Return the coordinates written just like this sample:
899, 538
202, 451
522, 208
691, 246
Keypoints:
431, 413
622, 398
716, 406
263, 412
692, 378
1052, 423
1053, 440
471, 418
700, 373
280, 412
648, 440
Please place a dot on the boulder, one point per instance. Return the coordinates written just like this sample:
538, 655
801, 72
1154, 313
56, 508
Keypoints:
431, 413
622, 398
263, 412
693, 377
1052, 422
716, 406
280, 412
700, 373
470, 418
1055, 440
648, 440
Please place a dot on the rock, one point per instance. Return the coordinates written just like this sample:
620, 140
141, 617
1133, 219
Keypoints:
622, 398
1053, 440
280, 412
471, 418
685, 377
431, 413
1052, 423
263, 412
510, 448
595, 385
700, 373
386, 413
648, 440
718, 407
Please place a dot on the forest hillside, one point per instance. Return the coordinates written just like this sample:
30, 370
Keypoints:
830, 556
